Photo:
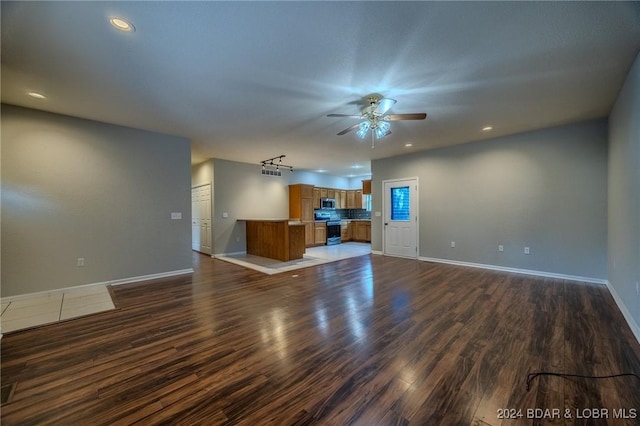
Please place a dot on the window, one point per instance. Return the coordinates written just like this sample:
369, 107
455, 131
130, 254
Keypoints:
400, 203
367, 202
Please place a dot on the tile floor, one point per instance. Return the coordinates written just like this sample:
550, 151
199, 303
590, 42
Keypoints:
53, 307
313, 256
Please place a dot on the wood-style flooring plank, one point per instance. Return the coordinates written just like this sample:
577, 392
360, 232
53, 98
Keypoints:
371, 340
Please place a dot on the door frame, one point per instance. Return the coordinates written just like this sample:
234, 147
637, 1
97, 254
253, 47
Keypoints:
385, 210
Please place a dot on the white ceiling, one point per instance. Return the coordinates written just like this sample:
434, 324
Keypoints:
246, 81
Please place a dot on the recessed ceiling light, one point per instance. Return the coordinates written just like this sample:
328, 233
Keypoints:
487, 128
321, 170
36, 95
122, 24
408, 145
356, 166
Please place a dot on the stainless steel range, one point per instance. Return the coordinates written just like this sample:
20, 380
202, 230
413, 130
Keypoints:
333, 227
333, 232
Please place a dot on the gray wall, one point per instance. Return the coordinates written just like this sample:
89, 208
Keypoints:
241, 191
624, 194
78, 188
545, 189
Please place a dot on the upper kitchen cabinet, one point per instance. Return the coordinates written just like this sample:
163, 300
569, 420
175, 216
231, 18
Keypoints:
316, 198
301, 202
343, 199
354, 199
366, 187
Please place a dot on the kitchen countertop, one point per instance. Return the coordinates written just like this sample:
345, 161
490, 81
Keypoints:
290, 221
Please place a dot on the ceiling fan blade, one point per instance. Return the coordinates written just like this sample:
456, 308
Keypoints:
343, 115
415, 116
349, 129
384, 105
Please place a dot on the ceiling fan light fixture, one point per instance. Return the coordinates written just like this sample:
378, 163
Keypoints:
363, 128
382, 129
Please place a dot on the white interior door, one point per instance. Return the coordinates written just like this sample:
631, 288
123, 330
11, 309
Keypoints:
201, 218
195, 219
400, 231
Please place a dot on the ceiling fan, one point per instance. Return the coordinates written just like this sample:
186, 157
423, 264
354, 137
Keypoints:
375, 118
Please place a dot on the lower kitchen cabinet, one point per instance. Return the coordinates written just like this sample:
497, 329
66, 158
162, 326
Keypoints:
344, 231
309, 234
320, 233
361, 230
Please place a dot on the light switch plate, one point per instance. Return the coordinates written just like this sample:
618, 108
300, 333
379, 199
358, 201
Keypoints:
176, 215
225, 215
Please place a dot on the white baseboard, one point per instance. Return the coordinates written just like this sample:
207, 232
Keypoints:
376, 252
635, 328
235, 253
103, 283
150, 277
517, 270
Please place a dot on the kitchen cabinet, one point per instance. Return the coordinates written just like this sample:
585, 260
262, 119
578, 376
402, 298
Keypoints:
320, 233
301, 208
366, 187
309, 234
344, 231
275, 238
323, 192
316, 198
354, 199
351, 197
361, 230
301, 202
331, 193
338, 198
343, 198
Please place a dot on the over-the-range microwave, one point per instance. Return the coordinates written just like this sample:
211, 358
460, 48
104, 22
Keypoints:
328, 203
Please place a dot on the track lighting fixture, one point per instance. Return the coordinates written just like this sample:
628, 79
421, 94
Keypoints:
273, 166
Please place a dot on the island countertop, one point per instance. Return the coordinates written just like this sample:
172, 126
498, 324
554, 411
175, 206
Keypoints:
289, 221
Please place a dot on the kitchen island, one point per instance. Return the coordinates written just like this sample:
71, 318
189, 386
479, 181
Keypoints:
280, 239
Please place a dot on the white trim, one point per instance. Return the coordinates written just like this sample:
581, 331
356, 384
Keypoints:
378, 252
150, 277
235, 253
517, 270
103, 283
635, 328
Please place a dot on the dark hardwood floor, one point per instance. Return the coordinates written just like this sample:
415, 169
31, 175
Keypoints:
370, 340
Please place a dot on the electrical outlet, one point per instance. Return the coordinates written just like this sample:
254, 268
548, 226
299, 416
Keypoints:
80, 262
526, 250
500, 247
453, 243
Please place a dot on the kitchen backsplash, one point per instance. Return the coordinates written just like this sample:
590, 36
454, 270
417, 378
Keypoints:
348, 214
